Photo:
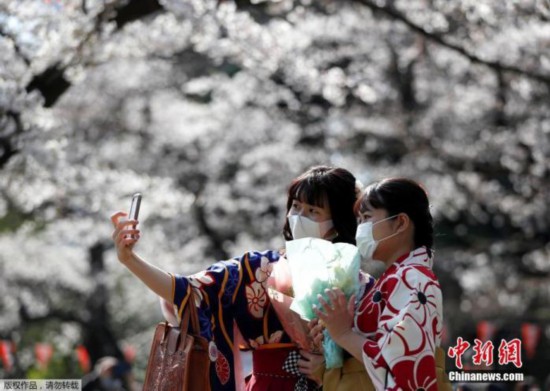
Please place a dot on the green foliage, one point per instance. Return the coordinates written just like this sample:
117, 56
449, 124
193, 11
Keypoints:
60, 367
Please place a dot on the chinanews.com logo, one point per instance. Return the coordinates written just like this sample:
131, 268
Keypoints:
509, 353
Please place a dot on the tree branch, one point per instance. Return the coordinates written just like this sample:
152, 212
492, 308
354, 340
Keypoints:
7, 147
15, 45
393, 13
134, 10
52, 83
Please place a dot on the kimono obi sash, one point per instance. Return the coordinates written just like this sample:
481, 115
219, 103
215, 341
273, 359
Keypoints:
276, 360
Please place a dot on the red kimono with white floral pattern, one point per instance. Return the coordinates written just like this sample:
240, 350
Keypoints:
402, 318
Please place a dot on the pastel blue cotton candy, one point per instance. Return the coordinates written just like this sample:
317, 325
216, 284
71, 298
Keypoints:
334, 354
317, 265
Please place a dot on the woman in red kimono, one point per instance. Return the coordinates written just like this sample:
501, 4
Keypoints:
396, 327
232, 294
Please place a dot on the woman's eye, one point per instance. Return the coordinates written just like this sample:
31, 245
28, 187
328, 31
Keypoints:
314, 211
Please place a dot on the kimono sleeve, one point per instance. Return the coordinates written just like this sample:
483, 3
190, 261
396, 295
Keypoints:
207, 286
253, 310
402, 353
222, 284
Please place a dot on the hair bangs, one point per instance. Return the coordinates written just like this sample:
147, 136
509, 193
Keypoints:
371, 197
310, 191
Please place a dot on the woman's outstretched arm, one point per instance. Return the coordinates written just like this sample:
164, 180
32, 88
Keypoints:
125, 236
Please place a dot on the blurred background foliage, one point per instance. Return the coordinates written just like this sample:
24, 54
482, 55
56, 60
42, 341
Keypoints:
210, 108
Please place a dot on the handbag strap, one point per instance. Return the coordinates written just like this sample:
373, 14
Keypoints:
190, 316
184, 324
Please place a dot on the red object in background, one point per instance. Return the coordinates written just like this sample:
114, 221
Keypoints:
530, 335
43, 353
6, 354
129, 353
485, 330
83, 358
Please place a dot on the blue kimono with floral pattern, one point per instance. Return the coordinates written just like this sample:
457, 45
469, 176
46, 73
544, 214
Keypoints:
229, 291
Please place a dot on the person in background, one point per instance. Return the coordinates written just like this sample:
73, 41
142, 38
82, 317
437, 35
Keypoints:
108, 375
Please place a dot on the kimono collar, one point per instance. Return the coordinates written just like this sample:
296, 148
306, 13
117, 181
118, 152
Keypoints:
417, 257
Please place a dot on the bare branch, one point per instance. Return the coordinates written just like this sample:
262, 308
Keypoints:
136, 9
16, 47
52, 83
395, 14
7, 144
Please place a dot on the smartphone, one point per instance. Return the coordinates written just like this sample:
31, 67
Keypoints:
134, 208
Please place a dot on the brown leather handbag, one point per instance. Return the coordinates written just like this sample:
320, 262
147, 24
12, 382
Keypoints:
179, 356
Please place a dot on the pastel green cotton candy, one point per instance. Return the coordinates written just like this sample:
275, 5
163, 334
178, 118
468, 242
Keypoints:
304, 305
317, 265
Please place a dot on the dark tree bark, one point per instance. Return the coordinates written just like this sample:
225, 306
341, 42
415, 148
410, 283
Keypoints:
134, 10
51, 84
99, 337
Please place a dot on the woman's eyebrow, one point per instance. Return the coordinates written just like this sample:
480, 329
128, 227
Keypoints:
310, 206
320, 208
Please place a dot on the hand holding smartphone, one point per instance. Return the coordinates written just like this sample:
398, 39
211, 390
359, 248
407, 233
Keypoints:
134, 208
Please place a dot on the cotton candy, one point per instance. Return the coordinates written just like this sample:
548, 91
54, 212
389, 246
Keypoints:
316, 265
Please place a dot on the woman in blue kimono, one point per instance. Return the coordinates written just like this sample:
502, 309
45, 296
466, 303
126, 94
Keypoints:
233, 292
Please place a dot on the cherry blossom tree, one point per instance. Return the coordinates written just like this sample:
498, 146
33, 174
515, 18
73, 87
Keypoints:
210, 108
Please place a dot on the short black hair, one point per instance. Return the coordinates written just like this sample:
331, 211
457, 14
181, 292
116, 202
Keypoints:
321, 185
402, 195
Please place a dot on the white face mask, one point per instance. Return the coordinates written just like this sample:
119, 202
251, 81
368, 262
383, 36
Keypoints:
365, 239
302, 227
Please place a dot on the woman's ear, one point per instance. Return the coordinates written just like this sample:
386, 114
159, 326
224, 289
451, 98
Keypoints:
403, 222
